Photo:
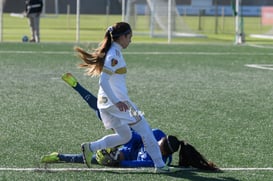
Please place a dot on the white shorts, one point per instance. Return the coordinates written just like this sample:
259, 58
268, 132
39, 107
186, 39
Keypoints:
112, 117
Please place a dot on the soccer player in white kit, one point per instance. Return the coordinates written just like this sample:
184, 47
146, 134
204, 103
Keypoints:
117, 111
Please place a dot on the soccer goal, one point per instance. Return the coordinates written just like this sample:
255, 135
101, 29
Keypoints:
266, 21
50, 13
161, 17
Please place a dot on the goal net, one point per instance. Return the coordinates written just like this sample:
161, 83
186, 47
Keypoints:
266, 21
50, 12
160, 17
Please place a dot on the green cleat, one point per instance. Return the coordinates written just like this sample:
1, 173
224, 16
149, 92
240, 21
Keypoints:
51, 158
87, 154
167, 169
70, 79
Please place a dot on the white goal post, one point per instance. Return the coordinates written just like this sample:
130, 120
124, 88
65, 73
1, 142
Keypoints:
239, 24
78, 21
1, 19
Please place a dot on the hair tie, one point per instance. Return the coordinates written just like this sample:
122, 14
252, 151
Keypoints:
169, 144
110, 29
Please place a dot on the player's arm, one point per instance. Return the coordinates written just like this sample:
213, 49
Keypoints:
104, 83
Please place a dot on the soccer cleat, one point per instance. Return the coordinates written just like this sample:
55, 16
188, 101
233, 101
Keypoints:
167, 169
51, 158
70, 79
87, 154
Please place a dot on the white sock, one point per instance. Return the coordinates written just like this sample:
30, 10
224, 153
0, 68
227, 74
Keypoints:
99, 144
122, 136
149, 142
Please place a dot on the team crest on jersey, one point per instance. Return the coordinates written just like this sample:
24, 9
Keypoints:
114, 62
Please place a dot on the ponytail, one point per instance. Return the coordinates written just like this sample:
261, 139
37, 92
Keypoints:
190, 157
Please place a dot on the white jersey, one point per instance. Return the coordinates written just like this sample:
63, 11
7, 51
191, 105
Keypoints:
113, 79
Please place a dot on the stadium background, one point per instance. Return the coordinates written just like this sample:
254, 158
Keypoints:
198, 89
192, 17
98, 6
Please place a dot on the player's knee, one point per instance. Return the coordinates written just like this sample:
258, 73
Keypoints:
124, 133
127, 137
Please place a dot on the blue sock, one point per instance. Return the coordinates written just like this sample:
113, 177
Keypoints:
75, 158
71, 158
89, 98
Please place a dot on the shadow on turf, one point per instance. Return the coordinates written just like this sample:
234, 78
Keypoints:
186, 174
192, 175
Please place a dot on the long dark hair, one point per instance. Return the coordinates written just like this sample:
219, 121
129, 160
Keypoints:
93, 62
188, 155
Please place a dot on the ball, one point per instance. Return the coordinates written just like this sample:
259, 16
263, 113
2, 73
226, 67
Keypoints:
25, 38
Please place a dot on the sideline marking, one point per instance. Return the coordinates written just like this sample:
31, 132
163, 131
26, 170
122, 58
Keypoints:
141, 53
260, 46
123, 169
261, 36
260, 66
39, 52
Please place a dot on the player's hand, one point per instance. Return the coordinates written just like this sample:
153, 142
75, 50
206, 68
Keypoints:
122, 106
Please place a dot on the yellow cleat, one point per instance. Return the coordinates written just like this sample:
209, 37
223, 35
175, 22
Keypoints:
87, 154
51, 158
70, 79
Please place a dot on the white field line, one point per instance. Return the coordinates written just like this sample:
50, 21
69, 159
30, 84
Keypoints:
71, 169
142, 53
260, 66
197, 53
261, 36
37, 52
121, 169
261, 46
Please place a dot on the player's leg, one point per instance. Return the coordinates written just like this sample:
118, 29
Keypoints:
85, 94
37, 27
149, 141
56, 157
31, 25
152, 147
71, 158
122, 135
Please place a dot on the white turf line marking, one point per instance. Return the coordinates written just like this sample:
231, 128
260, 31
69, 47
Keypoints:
260, 46
260, 66
142, 53
71, 169
122, 169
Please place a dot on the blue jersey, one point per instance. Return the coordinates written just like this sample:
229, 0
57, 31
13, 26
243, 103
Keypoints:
135, 154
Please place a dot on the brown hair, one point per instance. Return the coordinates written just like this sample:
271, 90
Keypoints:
188, 155
93, 62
